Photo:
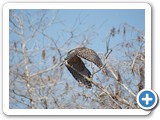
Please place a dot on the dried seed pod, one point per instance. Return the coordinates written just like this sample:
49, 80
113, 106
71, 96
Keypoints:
54, 60
43, 54
124, 30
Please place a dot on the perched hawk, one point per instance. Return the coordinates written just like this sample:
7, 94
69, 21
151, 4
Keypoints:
74, 60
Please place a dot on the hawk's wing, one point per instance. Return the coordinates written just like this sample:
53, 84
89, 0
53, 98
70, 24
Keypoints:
78, 64
87, 54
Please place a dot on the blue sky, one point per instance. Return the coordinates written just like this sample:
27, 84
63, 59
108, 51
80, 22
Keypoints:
112, 17
99, 21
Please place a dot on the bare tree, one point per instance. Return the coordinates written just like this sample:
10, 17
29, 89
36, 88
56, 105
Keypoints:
38, 80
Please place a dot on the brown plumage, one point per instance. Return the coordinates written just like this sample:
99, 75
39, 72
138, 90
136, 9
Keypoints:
74, 60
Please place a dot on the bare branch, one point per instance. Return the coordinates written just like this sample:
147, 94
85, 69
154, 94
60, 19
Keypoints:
25, 63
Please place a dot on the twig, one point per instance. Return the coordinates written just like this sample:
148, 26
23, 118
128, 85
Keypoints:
125, 102
43, 71
127, 89
106, 56
132, 27
120, 82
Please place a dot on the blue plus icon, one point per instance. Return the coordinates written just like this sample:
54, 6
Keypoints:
147, 99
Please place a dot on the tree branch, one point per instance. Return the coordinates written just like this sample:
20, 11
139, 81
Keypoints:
26, 70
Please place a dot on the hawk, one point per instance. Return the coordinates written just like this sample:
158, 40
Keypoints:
74, 60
